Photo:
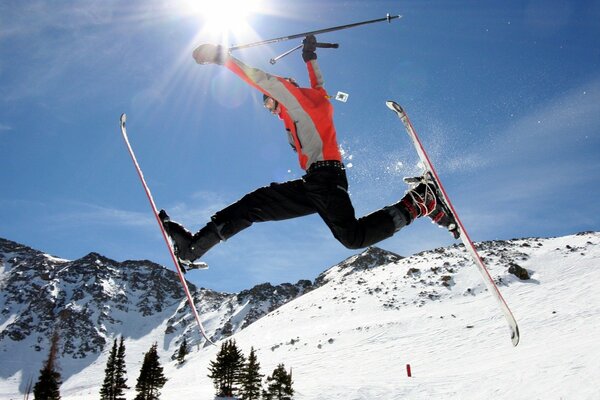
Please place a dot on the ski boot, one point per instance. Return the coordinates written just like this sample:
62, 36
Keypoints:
425, 199
182, 241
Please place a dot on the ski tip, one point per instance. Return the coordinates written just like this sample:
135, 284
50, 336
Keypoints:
123, 119
515, 336
392, 105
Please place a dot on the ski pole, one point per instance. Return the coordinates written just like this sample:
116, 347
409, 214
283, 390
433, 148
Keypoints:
322, 45
275, 59
387, 18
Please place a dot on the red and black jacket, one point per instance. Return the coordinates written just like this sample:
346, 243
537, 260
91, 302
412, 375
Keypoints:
306, 112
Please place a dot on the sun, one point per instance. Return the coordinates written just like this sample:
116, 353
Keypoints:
229, 14
224, 17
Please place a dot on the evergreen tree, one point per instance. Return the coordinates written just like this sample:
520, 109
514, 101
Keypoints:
151, 377
279, 385
107, 389
251, 378
47, 386
183, 351
120, 372
115, 381
226, 370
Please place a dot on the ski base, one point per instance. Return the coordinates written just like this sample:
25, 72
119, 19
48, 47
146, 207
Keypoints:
463, 235
178, 264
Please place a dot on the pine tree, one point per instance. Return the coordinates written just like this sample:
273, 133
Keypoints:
279, 385
107, 389
226, 370
251, 378
120, 372
151, 377
115, 381
47, 386
183, 351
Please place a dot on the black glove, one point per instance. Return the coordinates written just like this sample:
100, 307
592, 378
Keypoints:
309, 48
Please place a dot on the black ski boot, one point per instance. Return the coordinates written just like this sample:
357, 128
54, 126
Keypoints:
424, 199
180, 237
188, 247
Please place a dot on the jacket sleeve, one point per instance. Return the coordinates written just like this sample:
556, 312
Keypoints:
271, 85
314, 74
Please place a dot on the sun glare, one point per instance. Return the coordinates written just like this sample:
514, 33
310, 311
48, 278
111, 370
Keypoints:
225, 17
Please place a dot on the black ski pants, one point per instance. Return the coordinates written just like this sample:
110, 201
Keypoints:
323, 191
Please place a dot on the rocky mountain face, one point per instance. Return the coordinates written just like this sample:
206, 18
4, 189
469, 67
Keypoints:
86, 300
92, 299
370, 258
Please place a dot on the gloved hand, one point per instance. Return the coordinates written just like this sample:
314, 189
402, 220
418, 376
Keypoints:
309, 48
210, 54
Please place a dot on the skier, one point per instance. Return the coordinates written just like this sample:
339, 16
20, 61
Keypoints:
307, 116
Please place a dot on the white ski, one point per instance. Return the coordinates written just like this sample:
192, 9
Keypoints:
164, 233
464, 237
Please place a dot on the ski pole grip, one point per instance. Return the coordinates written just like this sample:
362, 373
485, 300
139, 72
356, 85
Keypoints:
328, 45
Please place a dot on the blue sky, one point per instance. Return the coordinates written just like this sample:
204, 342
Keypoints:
505, 95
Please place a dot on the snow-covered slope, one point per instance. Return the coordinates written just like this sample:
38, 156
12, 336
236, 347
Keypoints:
352, 336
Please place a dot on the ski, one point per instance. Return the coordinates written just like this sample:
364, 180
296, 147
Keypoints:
170, 246
462, 233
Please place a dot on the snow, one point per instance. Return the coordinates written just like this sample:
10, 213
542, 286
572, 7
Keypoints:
55, 259
353, 337
109, 287
8, 321
4, 267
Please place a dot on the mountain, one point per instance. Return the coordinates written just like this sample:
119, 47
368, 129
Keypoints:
348, 335
91, 300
